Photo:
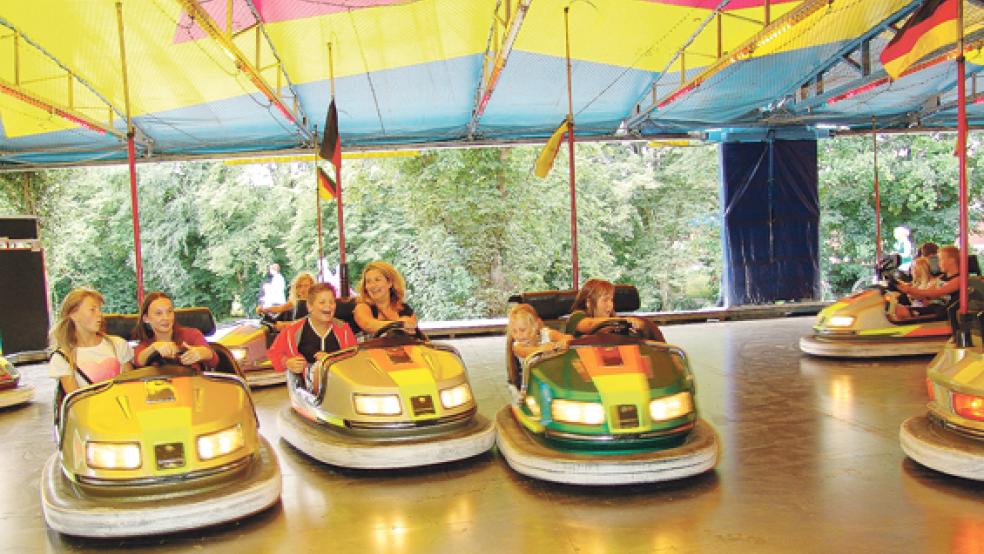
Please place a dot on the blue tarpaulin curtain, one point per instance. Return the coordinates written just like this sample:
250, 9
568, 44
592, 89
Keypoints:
771, 221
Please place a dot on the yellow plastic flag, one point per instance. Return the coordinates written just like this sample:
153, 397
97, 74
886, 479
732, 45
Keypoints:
544, 162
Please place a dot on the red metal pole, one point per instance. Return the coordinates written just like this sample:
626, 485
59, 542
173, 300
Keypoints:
874, 141
962, 155
570, 149
134, 207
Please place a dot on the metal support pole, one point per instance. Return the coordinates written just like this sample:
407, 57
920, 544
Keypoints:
131, 157
874, 143
570, 149
962, 155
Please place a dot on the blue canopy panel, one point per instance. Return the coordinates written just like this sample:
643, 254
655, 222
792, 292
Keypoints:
531, 98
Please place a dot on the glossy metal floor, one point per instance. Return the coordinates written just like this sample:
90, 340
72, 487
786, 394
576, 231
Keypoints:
810, 463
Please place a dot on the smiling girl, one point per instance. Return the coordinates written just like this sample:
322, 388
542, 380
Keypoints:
381, 293
160, 334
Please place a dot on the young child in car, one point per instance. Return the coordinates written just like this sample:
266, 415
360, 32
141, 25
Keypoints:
526, 335
529, 335
900, 306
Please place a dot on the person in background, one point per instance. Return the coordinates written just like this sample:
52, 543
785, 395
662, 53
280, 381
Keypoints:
903, 246
273, 290
83, 353
296, 306
381, 299
159, 334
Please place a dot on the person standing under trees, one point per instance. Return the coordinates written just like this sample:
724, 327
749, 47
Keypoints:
273, 290
381, 293
903, 246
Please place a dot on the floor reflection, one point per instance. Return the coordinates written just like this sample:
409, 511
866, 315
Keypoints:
810, 461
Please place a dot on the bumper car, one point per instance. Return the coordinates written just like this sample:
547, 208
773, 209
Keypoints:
858, 326
396, 400
12, 392
158, 450
615, 408
248, 343
950, 437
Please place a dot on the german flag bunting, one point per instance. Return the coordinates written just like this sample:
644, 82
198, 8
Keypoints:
326, 186
933, 26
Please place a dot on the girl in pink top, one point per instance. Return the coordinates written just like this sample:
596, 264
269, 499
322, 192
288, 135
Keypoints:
84, 353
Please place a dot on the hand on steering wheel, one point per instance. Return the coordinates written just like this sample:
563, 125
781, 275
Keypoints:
619, 326
390, 328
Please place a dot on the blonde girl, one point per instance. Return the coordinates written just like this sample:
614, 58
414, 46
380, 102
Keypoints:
83, 353
296, 306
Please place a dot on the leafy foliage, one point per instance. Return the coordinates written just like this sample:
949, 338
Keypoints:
467, 228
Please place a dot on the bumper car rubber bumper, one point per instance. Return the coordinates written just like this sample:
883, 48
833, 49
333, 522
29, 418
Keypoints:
267, 377
69, 510
531, 458
16, 395
331, 446
942, 449
855, 348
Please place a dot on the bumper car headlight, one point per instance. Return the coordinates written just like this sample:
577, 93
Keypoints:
533, 406
112, 455
670, 407
238, 353
840, 321
969, 406
456, 396
377, 404
585, 413
221, 443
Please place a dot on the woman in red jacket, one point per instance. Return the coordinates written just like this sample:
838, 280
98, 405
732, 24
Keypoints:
310, 339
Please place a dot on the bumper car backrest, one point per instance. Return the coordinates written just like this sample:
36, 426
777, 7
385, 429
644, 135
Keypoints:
973, 265
344, 310
120, 325
198, 318
552, 304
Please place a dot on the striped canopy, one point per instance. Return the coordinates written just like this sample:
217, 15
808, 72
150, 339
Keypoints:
218, 78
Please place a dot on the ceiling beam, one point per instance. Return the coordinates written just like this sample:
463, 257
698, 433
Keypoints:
243, 64
511, 24
744, 51
65, 109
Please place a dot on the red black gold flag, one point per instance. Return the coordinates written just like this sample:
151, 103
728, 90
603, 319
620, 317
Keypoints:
326, 186
331, 144
933, 26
